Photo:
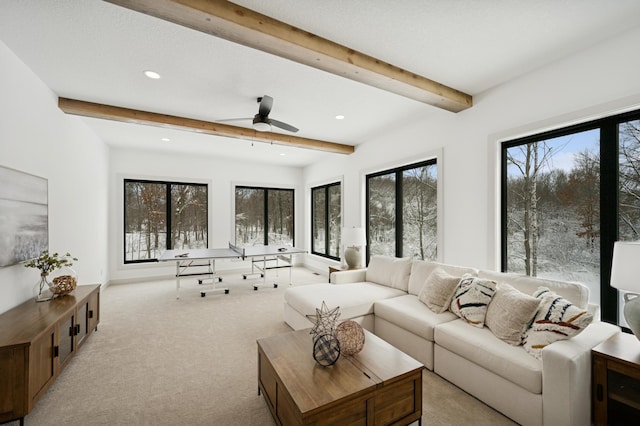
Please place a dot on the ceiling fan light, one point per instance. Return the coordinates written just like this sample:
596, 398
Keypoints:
261, 126
152, 74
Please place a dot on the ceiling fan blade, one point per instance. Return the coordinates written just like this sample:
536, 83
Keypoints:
234, 119
265, 105
282, 125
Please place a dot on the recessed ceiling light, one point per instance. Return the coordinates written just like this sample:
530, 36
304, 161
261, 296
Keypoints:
282, 154
152, 74
166, 139
339, 117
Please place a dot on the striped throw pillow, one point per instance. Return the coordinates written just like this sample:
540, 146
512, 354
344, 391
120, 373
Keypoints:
556, 319
471, 299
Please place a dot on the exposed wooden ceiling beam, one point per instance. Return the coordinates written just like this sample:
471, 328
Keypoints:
244, 26
127, 115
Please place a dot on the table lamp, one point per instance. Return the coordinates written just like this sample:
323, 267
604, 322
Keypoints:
354, 239
625, 275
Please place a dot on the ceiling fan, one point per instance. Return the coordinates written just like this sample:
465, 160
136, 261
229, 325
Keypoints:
261, 121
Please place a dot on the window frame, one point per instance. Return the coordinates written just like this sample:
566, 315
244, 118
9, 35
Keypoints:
266, 210
326, 219
398, 171
168, 215
609, 163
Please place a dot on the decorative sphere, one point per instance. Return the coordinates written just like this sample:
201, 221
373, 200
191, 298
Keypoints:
326, 350
351, 337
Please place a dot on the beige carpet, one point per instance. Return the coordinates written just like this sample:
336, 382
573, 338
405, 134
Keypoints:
156, 360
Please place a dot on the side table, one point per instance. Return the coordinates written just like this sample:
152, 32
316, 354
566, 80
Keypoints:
616, 380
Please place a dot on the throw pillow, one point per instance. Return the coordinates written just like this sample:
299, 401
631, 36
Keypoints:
438, 290
471, 299
556, 319
510, 313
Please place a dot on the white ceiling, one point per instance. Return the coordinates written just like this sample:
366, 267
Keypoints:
95, 51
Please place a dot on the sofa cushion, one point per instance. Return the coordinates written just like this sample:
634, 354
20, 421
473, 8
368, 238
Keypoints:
389, 271
409, 313
556, 319
438, 290
576, 293
471, 299
510, 313
483, 348
421, 269
354, 299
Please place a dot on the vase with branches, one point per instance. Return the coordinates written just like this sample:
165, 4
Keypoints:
47, 263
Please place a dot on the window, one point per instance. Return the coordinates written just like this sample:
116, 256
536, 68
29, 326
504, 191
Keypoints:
567, 196
402, 211
326, 216
163, 215
264, 216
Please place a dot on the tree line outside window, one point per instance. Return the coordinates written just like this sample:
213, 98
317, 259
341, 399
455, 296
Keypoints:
326, 220
161, 215
264, 216
567, 196
402, 211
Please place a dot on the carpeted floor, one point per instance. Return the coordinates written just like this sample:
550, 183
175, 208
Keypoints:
156, 360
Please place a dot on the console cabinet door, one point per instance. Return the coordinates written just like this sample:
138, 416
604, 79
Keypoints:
93, 311
42, 365
88, 316
68, 329
12, 384
83, 322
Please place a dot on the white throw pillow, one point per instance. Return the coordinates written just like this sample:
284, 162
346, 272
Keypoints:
438, 290
510, 313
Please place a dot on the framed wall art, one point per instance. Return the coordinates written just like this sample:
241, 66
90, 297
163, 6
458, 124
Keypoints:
24, 216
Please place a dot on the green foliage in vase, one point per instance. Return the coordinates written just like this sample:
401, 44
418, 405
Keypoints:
48, 263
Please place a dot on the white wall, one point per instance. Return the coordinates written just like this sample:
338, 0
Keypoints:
37, 138
220, 174
601, 80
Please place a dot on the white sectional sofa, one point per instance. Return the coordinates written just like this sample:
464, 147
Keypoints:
388, 299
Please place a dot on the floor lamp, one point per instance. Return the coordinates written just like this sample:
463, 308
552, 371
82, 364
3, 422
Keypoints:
354, 239
625, 275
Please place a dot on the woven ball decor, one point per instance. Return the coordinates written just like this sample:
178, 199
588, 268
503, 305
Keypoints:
326, 350
64, 284
351, 337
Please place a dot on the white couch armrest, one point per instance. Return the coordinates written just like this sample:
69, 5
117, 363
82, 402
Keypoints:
343, 277
594, 310
566, 376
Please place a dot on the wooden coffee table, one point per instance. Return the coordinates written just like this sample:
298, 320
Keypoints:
378, 386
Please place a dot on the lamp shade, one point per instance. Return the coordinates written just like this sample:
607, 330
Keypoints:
354, 237
625, 268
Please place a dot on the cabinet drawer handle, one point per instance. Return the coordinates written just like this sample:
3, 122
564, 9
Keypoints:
77, 329
599, 392
91, 313
56, 351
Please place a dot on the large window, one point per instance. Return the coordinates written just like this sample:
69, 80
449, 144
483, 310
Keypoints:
163, 215
326, 206
567, 196
402, 211
264, 216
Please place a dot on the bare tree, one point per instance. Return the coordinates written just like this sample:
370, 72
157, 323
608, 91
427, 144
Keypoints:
529, 160
629, 180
